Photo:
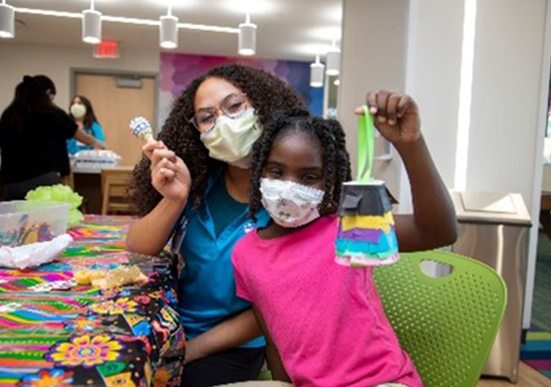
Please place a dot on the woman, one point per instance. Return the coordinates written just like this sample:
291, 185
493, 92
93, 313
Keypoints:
33, 131
193, 186
82, 112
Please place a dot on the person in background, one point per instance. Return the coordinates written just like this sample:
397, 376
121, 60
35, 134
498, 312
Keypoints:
33, 134
82, 112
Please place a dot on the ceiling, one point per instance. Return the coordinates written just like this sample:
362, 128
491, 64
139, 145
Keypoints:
287, 29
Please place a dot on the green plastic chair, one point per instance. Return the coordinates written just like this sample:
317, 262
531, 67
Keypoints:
447, 325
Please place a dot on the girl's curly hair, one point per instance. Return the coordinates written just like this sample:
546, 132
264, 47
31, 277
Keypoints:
328, 133
267, 93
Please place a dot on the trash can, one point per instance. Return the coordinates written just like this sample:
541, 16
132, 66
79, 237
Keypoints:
494, 228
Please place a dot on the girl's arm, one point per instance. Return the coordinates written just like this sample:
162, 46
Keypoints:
274, 360
171, 178
433, 223
235, 331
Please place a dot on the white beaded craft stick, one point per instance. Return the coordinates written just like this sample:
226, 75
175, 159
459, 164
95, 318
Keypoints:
141, 128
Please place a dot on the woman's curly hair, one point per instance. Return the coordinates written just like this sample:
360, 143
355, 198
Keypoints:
328, 133
267, 93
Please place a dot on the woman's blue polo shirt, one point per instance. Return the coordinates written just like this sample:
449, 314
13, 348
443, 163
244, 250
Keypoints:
206, 287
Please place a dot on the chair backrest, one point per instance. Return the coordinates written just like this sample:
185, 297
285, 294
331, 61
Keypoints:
114, 188
447, 325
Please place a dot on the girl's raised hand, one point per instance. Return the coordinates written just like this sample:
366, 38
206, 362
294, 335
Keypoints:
396, 116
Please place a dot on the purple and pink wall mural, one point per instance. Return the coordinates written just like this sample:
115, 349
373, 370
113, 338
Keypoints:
177, 70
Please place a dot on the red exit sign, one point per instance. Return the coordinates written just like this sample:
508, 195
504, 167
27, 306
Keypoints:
107, 49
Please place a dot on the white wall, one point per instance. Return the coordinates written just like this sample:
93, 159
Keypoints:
433, 75
373, 57
509, 89
505, 96
17, 60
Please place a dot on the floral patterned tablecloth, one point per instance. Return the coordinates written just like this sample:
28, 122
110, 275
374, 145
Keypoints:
55, 333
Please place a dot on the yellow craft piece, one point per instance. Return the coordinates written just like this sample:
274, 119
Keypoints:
110, 279
368, 222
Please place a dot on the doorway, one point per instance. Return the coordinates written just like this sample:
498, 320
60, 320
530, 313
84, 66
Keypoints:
117, 98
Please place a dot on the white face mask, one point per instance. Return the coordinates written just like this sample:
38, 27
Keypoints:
231, 140
290, 204
78, 110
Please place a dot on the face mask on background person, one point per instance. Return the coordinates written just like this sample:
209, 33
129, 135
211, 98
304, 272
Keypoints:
290, 204
78, 110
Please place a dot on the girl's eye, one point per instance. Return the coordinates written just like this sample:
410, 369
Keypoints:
311, 178
273, 172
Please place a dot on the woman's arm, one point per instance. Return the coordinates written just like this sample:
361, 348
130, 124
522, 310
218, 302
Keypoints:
81, 136
171, 178
433, 223
230, 333
274, 360
149, 234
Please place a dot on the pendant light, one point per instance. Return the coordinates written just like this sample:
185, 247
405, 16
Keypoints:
247, 38
7, 19
333, 59
91, 25
317, 73
168, 33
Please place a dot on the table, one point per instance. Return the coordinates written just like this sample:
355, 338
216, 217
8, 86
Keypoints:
53, 332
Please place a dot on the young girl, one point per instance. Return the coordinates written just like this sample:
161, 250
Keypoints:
324, 323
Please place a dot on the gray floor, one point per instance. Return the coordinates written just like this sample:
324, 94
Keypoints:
541, 309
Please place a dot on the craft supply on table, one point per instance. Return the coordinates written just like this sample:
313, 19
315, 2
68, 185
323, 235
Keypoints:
23, 222
124, 275
95, 159
367, 234
59, 193
35, 254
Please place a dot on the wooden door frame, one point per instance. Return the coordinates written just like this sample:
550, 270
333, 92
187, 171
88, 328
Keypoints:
75, 71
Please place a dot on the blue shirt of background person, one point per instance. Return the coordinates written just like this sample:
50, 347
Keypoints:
82, 112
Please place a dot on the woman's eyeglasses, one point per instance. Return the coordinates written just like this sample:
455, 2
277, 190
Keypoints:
232, 106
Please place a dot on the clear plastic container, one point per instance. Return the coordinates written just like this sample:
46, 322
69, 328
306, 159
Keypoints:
95, 159
23, 222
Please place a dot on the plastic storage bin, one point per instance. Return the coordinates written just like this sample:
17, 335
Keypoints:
23, 222
94, 160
